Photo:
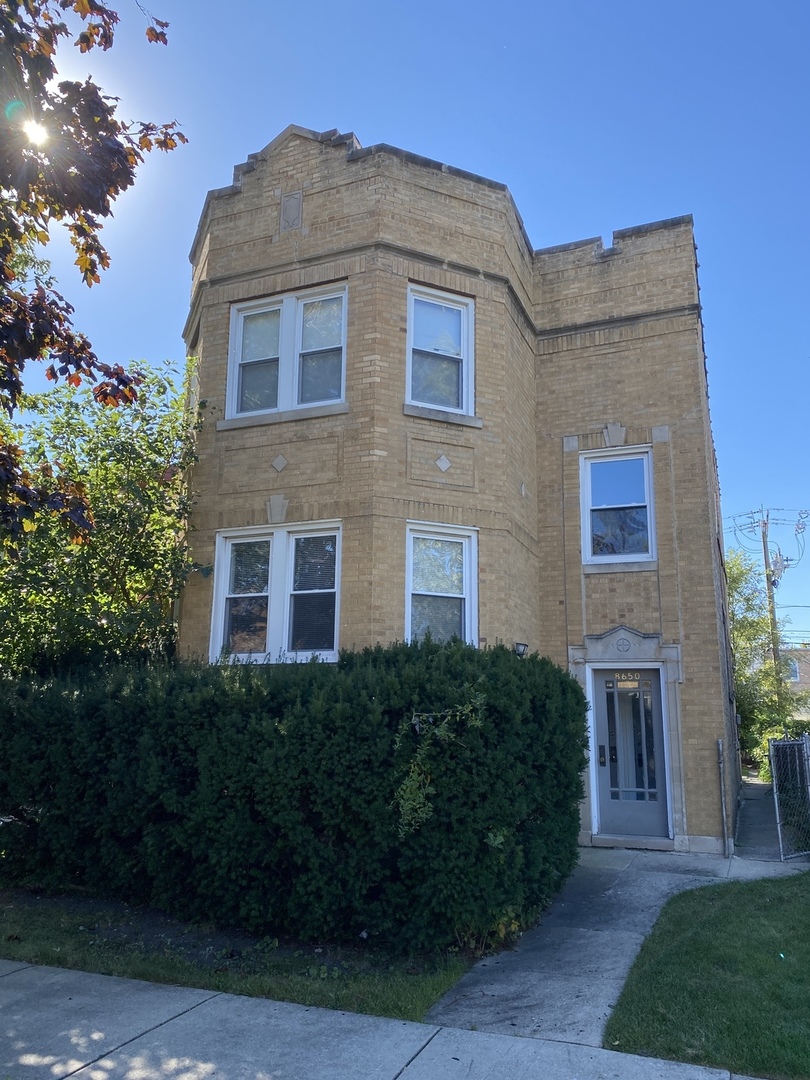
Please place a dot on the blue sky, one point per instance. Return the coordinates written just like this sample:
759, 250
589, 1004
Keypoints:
598, 115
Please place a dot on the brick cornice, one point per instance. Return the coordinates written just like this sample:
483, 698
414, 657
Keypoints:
614, 328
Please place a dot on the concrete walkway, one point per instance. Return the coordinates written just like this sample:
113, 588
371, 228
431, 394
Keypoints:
757, 835
563, 977
555, 989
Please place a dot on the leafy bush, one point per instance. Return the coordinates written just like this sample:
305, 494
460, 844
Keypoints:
67, 600
421, 794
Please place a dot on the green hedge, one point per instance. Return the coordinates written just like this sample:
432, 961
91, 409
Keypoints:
418, 794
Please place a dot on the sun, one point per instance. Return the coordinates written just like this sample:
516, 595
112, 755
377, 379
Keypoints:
36, 133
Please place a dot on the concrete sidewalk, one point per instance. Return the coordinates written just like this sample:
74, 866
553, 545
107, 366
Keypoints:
556, 989
56, 1023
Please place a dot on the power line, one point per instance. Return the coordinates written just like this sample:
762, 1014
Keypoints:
752, 526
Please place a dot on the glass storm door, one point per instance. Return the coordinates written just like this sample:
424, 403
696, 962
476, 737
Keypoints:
629, 753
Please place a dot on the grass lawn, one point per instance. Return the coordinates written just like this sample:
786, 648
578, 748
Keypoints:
116, 939
724, 980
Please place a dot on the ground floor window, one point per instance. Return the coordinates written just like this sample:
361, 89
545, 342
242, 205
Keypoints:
276, 593
441, 583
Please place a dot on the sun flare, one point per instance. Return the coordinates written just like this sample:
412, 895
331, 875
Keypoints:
35, 132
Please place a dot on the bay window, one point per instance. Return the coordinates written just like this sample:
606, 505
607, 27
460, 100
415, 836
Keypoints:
442, 579
276, 594
287, 352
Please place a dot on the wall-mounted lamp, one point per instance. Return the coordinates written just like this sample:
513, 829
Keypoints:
521, 649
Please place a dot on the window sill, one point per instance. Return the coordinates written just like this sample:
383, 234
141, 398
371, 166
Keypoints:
329, 657
619, 567
441, 414
307, 413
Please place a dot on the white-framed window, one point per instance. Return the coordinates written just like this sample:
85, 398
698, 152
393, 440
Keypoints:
441, 582
276, 593
793, 669
618, 524
287, 352
441, 333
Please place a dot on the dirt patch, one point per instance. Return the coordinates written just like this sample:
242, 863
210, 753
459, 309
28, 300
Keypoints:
151, 932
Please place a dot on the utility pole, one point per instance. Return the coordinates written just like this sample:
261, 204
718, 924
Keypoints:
763, 522
777, 659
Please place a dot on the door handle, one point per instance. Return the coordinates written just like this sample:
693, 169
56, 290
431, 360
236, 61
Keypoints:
601, 755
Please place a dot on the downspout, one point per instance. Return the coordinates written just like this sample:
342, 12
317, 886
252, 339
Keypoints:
721, 765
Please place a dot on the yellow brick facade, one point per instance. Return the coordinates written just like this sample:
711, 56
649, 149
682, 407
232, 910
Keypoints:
576, 349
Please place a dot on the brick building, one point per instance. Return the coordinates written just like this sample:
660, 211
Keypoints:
421, 422
798, 675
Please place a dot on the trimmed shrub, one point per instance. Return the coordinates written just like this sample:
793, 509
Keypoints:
419, 794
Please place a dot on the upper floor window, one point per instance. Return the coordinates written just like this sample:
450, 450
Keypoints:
440, 350
276, 594
617, 511
442, 580
287, 352
793, 669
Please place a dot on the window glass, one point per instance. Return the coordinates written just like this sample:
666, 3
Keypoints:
260, 335
287, 356
617, 519
312, 622
314, 562
620, 532
322, 324
438, 565
312, 610
321, 366
245, 611
246, 624
321, 376
439, 591
618, 483
443, 616
258, 372
250, 565
258, 386
276, 593
440, 351
436, 380
437, 327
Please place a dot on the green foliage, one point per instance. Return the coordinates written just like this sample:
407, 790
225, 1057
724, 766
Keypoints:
66, 158
413, 796
110, 592
417, 795
766, 707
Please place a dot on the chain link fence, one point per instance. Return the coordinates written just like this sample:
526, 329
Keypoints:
790, 768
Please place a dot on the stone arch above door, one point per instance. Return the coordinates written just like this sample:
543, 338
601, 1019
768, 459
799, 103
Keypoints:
624, 641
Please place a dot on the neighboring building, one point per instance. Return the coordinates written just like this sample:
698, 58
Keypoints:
798, 675
420, 423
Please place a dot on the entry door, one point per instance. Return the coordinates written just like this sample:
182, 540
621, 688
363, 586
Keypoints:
630, 752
